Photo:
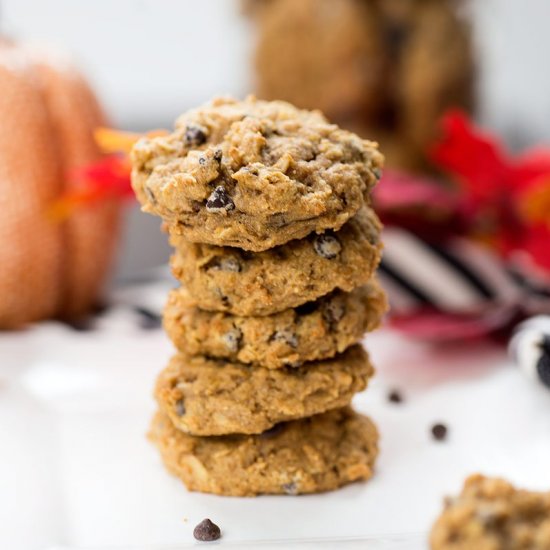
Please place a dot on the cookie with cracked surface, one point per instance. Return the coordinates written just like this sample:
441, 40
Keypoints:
491, 514
263, 283
313, 331
254, 174
205, 396
315, 454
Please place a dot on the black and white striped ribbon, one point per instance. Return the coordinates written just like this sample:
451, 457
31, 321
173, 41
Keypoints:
459, 277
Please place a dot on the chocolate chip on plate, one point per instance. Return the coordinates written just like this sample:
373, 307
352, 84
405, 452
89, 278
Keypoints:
395, 396
207, 531
439, 431
219, 201
327, 246
194, 135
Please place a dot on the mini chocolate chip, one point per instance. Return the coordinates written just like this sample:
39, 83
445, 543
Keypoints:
394, 396
81, 324
290, 488
377, 173
206, 531
150, 195
224, 264
439, 432
180, 407
232, 339
219, 201
196, 206
148, 319
218, 154
194, 135
202, 161
334, 310
275, 430
286, 336
327, 246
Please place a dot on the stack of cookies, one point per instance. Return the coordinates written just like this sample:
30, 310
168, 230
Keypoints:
267, 207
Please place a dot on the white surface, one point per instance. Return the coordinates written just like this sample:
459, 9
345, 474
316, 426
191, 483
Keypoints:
77, 472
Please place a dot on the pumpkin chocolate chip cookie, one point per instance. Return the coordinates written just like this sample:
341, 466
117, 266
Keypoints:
313, 331
205, 396
254, 174
315, 454
490, 514
263, 283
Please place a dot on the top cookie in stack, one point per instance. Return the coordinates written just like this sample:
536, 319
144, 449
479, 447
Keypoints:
254, 174
268, 209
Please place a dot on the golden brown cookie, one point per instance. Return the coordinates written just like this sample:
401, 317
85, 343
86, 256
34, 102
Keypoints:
313, 331
490, 514
263, 283
205, 396
254, 174
315, 454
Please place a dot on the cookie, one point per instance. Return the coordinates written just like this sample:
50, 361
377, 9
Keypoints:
313, 331
254, 174
490, 514
204, 396
391, 67
312, 455
263, 283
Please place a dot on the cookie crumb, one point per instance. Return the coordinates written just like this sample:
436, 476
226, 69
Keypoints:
439, 432
207, 531
395, 396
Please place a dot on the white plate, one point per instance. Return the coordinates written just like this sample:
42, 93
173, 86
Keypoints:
77, 471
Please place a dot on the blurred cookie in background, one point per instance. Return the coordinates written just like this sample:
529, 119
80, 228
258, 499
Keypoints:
388, 68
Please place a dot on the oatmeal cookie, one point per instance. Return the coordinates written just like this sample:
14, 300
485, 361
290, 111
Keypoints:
313, 331
254, 174
205, 396
263, 283
315, 454
490, 514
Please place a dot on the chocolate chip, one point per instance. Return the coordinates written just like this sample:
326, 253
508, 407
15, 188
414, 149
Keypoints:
224, 264
206, 531
180, 407
286, 336
439, 432
196, 206
232, 339
290, 488
377, 173
81, 324
202, 161
394, 396
327, 246
194, 135
333, 310
150, 195
219, 201
218, 154
149, 320
275, 430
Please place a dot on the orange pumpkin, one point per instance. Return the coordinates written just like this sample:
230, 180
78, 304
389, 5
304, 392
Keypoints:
47, 118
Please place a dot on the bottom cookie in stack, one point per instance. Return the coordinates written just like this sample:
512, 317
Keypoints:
314, 454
